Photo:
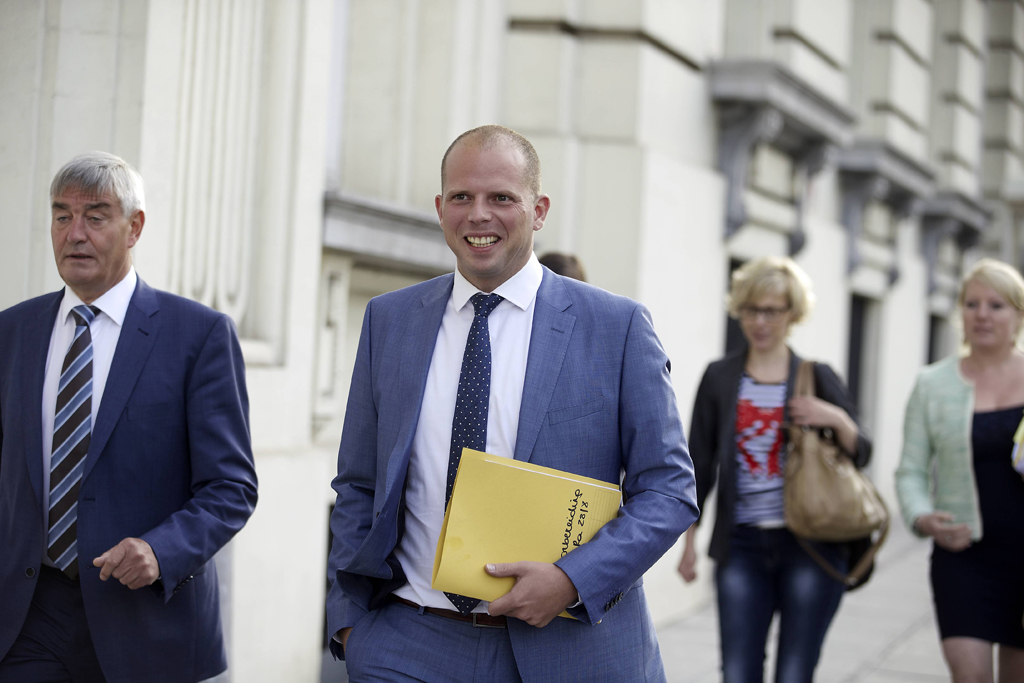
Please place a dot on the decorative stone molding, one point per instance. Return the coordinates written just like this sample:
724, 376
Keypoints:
742, 130
213, 202
872, 170
808, 165
762, 101
331, 367
950, 214
386, 234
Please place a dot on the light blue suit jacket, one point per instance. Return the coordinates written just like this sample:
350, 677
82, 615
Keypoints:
597, 401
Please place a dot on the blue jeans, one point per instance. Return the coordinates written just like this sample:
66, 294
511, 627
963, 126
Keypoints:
766, 572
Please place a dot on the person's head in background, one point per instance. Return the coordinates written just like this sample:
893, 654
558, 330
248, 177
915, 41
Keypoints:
564, 264
767, 296
991, 303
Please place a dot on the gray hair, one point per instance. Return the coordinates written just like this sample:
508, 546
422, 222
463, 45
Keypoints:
101, 173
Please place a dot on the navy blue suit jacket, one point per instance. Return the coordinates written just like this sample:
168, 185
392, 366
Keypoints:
170, 462
597, 401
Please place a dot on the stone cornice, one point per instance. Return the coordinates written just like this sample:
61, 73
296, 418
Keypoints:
808, 115
950, 214
873, 170
969, 212
876, 157
762, 101
384, 233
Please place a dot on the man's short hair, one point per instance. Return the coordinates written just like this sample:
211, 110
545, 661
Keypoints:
491, 135
99, 173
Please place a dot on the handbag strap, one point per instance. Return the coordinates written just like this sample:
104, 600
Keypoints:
859, 570
805, 379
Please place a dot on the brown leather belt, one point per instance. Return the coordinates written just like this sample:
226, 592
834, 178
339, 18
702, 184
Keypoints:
478, 619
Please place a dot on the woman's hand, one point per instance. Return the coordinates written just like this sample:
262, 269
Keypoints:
811, 411
688, 564
939, 525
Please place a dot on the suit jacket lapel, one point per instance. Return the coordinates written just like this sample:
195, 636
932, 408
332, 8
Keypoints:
412, 351
38, 330
138, 334
552, 328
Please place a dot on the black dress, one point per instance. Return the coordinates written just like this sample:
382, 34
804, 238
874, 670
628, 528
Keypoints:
979, 592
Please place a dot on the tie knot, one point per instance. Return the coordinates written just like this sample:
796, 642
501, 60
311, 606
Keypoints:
483, 304
84, 315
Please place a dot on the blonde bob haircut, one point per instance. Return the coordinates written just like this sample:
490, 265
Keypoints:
770, 276
999, 276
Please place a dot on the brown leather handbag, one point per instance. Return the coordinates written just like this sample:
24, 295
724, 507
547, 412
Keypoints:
826, 498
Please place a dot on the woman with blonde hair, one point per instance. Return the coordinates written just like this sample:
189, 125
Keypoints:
956, 483
737, 437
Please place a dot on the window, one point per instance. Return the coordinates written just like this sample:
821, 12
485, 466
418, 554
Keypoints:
862, 359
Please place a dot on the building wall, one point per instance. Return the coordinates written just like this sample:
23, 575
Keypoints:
291, 152
221, 106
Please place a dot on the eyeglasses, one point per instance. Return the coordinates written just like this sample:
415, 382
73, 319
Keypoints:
771, 315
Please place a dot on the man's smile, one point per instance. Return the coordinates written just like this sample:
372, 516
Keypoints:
482, 241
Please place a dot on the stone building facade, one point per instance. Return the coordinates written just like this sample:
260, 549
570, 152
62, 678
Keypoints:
291, 152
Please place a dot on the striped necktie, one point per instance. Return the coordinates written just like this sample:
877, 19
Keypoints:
469, 425
72, 429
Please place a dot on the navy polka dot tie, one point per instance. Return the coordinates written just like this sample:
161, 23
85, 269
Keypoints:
469, 426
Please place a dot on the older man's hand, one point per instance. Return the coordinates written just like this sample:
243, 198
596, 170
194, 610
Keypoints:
541, 592
132, 562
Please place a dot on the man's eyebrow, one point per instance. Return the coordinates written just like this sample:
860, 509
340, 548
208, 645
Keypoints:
88, 207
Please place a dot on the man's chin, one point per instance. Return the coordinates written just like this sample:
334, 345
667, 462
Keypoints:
78, 274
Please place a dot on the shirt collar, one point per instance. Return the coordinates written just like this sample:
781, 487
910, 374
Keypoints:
113, 303
520, 289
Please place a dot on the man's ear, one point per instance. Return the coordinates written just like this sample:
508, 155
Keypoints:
437, 206
138, 222
540, 211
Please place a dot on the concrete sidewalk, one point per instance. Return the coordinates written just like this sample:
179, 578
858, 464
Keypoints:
883, 633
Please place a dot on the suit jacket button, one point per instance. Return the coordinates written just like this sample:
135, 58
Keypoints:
30, 572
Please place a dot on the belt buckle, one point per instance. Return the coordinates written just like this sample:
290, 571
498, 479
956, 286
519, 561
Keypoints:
477, 624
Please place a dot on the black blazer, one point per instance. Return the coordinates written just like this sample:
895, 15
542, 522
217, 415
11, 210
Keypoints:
713, 433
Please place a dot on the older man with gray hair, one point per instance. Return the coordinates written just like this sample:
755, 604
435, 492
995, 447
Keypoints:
125, 461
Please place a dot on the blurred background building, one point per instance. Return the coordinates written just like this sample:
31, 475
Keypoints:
291, 153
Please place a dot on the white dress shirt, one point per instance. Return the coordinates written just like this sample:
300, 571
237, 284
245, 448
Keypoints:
510, 326
105, 331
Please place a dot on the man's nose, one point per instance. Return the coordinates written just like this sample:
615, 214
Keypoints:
76, 233
479, 212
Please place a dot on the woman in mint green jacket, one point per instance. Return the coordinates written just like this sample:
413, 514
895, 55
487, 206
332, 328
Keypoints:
956, 483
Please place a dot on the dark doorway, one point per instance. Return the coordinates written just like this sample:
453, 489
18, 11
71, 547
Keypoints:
733, 334
855, 358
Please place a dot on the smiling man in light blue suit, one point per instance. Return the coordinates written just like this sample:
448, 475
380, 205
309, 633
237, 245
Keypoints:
540, 368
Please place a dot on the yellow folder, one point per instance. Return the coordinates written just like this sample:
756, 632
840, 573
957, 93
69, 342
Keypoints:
504, 510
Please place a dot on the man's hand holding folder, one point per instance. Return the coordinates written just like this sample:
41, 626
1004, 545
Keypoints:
542, 591
518, 519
